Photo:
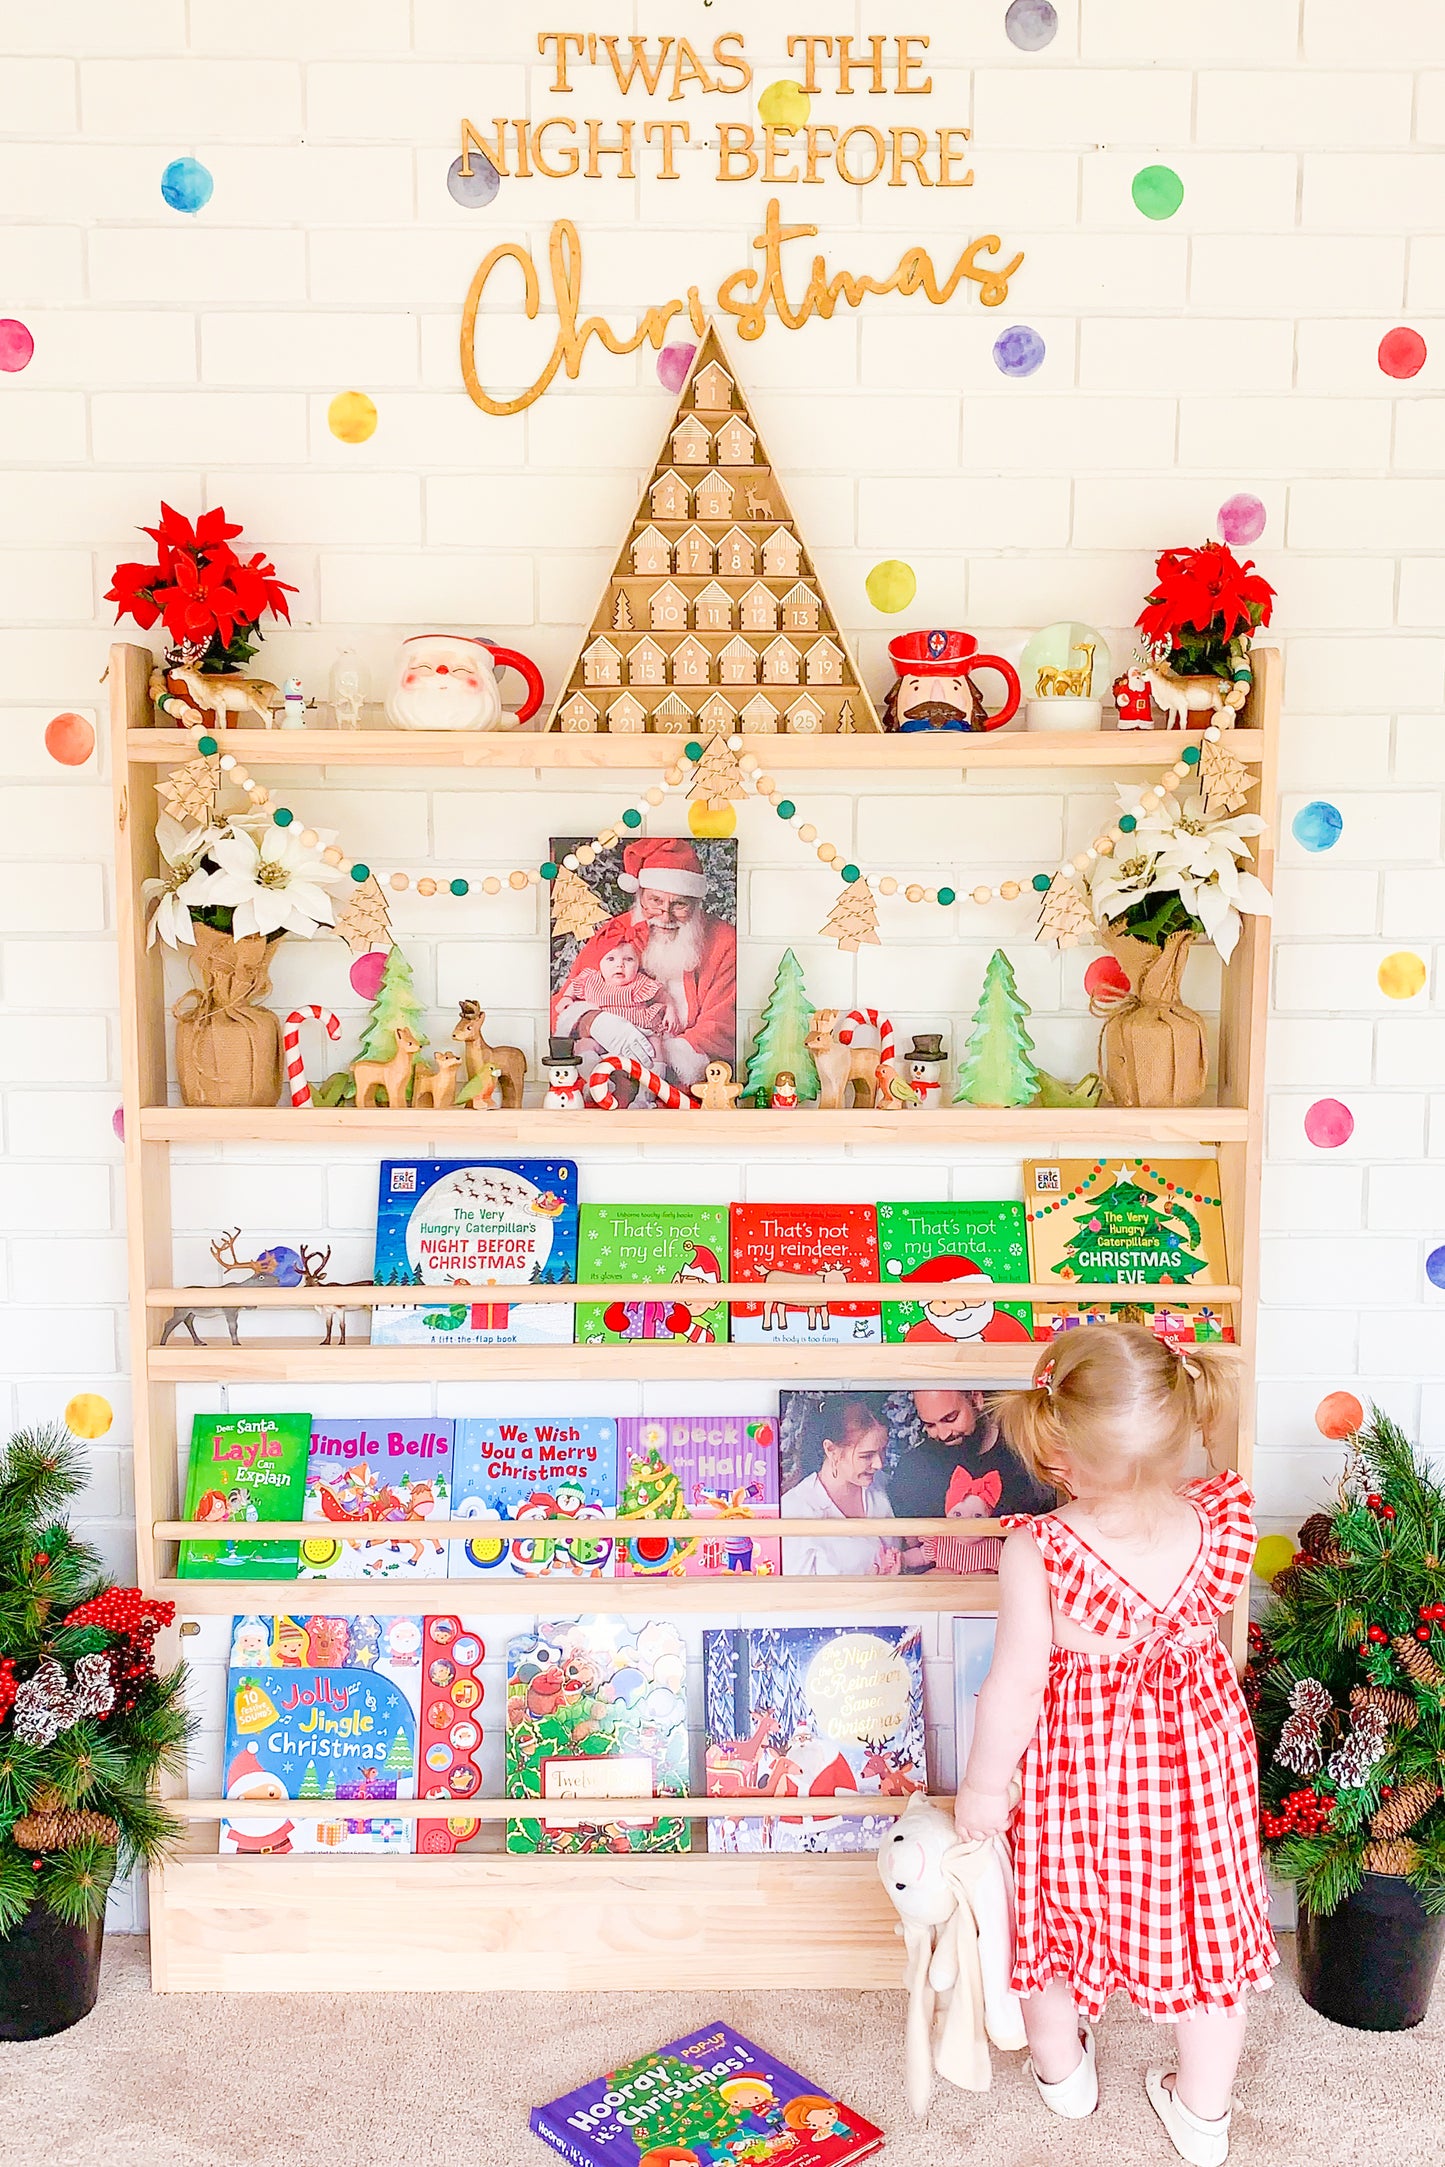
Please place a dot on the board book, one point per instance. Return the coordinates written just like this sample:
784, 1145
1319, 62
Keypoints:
522, 1469
924, 1244
685, 1245
806, 1711
321, 1725
388, 1478
712, 2096
1153, 1226
716, 1467
244, 1469
450, 1728
774, 1243
597, 1708
501, 1222
973, 1638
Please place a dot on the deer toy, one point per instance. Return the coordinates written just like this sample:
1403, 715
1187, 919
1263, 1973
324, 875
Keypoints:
214, 699
847, 1075
436, 1087
510, 1060
391, 1076
262, 1274
313, 1274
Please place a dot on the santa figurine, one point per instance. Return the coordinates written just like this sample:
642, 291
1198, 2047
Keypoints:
1133, 699
448, 681
784, 1094
247, 1779
926, 1061
953, 1317
564, 1077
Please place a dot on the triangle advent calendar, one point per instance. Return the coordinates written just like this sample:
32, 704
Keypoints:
714, 620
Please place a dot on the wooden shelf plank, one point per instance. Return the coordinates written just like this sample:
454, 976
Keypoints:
607, 1523
294, 1362
809, 1594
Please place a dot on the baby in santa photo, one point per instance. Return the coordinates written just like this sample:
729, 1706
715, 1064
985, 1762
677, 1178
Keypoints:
615, 984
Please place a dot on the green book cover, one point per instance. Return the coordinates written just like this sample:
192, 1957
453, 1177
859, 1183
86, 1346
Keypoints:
927, 1243
685, 1245
244, 1468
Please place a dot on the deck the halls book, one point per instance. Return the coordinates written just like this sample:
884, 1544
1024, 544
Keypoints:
806, 1711
775, 1243
713, 2097
520, 1469
244, 1469
925, 1244
475, 1221
383, 1480
1153, 1226
681, 1245
714, 1467
321, 1724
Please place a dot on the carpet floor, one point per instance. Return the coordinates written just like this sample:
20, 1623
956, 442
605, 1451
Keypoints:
445, 2080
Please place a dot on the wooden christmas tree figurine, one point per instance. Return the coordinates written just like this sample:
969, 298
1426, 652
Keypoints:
718, 776
622, 612
781, 1046
396, 1003
575, 909
997, 1068
853, 920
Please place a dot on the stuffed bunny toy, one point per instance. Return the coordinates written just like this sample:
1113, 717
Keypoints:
955, 1901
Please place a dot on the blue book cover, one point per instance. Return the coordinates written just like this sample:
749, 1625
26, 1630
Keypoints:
527, 1468
502, 1222
381, 1482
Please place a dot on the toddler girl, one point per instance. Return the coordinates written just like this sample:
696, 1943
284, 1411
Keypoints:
1136, 1840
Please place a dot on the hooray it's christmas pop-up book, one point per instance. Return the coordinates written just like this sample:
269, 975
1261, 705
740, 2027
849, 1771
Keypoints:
715, 1467
682, 1245
518, 1470
495, 1222
244, 1469
1152, 1225
774, 1244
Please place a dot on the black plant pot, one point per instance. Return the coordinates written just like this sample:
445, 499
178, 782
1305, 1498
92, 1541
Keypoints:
49, 1974
1372, 1963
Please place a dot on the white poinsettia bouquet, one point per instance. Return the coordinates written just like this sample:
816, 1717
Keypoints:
1182, 870
243, 875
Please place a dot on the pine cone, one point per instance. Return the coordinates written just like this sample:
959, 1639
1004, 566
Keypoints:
1403, 1808
1395, 1856
1286, 1582
1397, 1708
1416, 1661
1317, 1534
57, 1831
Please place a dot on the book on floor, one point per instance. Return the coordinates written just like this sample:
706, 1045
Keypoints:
924, 1244
497, 1223
808, 1711
386, 1478
775, 1243
712, 2096
516, 1470
681, 1245
715, 1467
244, 1469
1154, 1225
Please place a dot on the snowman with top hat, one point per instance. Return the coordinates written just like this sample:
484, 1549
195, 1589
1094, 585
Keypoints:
564, 1077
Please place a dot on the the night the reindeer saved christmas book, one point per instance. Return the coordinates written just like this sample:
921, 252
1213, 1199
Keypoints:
494, 1223
711, 2097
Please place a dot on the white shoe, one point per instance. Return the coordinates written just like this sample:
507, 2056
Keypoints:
1076, 2095
1203, 2144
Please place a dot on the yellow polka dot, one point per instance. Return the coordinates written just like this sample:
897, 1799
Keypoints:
1271, 1555
891, 586
784, 105
1401, 976
711, 820
351, 416
88, 1415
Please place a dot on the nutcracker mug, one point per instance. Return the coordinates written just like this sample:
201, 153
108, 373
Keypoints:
934, 687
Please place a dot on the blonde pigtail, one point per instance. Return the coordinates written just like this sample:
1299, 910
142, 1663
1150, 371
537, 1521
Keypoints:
1211, 1370
1031, 1427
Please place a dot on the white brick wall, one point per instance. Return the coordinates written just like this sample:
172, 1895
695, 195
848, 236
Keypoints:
1232, 347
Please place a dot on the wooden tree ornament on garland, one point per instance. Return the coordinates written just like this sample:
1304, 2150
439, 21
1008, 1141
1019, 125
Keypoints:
1064, 915
365, 924
853, 920
1223, 779
575, 909
719, 777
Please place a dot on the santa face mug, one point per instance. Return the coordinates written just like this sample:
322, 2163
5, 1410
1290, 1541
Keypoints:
448, 681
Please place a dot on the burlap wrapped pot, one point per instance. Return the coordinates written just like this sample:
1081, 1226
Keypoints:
1152, 1049
228, 1049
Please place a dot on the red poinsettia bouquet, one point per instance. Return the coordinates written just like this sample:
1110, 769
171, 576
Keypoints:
1203, 600
209, 599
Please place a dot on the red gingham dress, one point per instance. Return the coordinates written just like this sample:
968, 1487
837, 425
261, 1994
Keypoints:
1136, 1842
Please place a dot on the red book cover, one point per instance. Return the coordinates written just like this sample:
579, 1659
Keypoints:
772, 1244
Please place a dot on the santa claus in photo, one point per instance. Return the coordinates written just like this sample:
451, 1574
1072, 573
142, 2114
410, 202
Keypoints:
247, 1779
682, 946
954, 1316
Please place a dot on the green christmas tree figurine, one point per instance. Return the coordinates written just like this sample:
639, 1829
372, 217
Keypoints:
781, 1043
396, 1002
997, 1068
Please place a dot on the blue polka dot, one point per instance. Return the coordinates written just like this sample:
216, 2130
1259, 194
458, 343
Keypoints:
187, 185
1019, 350
1031, 24
1435, 1267
475, 189
1318, 825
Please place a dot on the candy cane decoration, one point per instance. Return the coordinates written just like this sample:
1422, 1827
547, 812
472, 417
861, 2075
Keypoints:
599, 1083
291, 1046
883, 1025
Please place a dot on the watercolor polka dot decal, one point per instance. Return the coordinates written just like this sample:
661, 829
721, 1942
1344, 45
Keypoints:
1318, 825
474, 190
1018, 351
1402, 352
17, 346
1241, 519
891, 586
117, 1122
673, 364
1031, 24
1271, 1555
1329, 1123
1435, 1267
784, 105
1401, 976
187, 185
88, 1415
366, 973
1157, 191
351, 416
1106, 975
70, 739
711, 820
1339, 1415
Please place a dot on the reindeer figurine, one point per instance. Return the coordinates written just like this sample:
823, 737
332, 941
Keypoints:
510, 1060
313, 1274
223, 1249
436, 1087
391, 1076
214, 699
847, 1075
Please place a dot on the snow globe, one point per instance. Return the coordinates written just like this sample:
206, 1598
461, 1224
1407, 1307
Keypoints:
1063, 668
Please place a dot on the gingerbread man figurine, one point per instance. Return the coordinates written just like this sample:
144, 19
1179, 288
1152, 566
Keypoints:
718, 1094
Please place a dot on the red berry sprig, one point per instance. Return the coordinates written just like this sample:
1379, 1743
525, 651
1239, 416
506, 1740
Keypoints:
7, 1685
135, 1619
1306, 1813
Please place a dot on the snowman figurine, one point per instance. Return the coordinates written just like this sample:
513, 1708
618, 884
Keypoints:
564, 1077
926, 1062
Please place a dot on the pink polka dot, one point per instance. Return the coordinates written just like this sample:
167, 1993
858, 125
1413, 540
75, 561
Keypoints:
1402, 352
1329, 1124
673, 364
1106, 974
366, 973
1241, 519
70, 739
16, 344
117, 1122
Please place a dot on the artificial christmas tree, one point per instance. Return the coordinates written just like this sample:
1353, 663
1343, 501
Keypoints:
853, 920
997, 1068
396, 1002
782, 1041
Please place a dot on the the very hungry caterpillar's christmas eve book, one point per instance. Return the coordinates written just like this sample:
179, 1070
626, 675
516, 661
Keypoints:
685, 1245
522, 1469
475, 1222
722, 1467
1153, 1224
711, 2097
244, 1468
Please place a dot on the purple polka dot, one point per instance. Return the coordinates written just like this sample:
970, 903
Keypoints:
16, 345
1435, 1267
1031, 24
673, 364
117, 1122
1241, 519
476, 189
1018, 351
367, 972
1329, 1124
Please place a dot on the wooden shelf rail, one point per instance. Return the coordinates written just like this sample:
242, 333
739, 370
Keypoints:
550, 1524
887, 1596
822, 1806
798, 1292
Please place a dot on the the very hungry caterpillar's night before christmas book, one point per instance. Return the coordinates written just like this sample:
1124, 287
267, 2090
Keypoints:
685, 1245
711, 2097
244, 1468
475, 1222
717, 1467
1152, 1224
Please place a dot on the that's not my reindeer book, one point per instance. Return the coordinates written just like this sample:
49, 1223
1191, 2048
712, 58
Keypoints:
481, 1224
775, 1244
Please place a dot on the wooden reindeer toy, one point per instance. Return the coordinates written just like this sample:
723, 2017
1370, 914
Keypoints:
262, 1272
510, 1060
313, 1274
847, 1075
436, 1087
213, 699
391, 1076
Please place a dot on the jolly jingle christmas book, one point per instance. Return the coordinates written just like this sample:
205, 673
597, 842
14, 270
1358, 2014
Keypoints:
514, 1471
387, 1479
773, 1244
925, 1244
712, 2096
244, 1469
1150, 1224
685, 1245
715, 1467
496, 1222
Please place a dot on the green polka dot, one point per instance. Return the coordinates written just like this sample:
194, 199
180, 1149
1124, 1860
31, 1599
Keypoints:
1157, 191
947, 895
460, 887
1128, 823
207, 745
549, 869
693, 752
1190, 756
851, 873
360, 872
1042, 883
786, 808
283, 816
632, 818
